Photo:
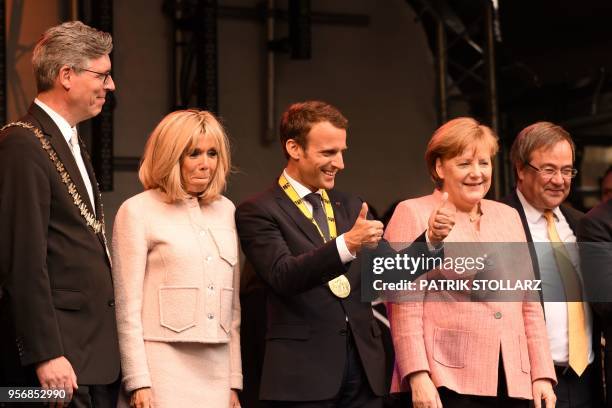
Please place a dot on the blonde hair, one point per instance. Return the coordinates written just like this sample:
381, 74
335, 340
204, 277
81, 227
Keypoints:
175, 137
452, 138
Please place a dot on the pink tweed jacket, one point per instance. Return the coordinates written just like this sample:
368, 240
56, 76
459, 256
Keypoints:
176, 275
459, 343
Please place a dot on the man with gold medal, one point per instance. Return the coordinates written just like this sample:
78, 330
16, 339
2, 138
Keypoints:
323, 346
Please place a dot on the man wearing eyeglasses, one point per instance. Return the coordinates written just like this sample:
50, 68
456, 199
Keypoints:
57, 326
543, 158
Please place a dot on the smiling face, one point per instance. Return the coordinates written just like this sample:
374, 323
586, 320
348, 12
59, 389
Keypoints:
316, 166
87, 90
466, 177
199, 165
542, 192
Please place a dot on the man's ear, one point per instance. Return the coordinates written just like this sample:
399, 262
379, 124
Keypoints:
293, 149
65, 77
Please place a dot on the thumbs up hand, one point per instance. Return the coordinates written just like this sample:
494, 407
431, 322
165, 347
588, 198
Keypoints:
441, 221
364, 232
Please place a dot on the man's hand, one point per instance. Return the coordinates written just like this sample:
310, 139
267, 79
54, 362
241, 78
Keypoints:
141, 398
57, 373
441, 221
424, 392
543, 390
364, 232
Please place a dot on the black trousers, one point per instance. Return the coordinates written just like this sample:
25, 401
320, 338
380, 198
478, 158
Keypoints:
573, 391
502, 400
452, 399
355, 391
96, 396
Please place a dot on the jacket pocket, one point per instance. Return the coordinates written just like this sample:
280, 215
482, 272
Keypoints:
227, 244
177, 307
227, 301
524, 352
68, 299
450, 347
288, 331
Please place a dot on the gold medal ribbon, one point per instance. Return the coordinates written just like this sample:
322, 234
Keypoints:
340, 286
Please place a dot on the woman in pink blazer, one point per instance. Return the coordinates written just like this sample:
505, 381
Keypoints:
466, 354
176, 271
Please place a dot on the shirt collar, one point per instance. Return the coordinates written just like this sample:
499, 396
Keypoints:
532, 214
299, 188
61, 123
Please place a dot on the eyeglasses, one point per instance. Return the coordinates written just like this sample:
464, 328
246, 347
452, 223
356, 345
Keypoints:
102, 75
549, 172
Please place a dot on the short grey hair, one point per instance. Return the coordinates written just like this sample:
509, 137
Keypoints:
72, 43
536, 136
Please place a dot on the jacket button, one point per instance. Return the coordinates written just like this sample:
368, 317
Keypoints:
210, 316
342, 332
111, 303
498, 315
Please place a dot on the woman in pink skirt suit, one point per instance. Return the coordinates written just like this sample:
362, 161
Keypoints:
466, 354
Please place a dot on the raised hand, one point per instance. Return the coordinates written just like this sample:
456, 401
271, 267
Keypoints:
364, 232
441, 221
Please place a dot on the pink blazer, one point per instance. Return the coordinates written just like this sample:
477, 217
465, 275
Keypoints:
459, 343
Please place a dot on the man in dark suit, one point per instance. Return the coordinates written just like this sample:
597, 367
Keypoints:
323, 346
543, 159
595, 236
57, 310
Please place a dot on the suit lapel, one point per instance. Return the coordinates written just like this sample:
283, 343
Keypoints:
516, 203
340, 214
296, 215
569, 217
55, 137
93, 180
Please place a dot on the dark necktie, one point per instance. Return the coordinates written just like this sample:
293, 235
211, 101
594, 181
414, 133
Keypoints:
318, 214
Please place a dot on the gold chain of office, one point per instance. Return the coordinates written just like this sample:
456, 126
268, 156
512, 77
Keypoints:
96, 225
340, 285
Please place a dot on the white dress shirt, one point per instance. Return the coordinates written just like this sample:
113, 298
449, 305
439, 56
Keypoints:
555, 312
67, 132
303, 191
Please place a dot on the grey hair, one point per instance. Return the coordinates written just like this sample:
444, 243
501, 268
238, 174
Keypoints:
72, 43
536, 136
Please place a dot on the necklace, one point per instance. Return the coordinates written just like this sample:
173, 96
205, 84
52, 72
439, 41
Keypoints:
475, 217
